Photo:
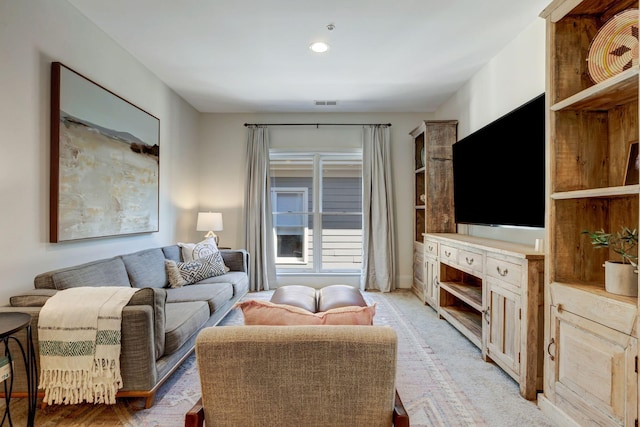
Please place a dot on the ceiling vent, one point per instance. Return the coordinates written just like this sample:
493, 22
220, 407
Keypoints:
326, 102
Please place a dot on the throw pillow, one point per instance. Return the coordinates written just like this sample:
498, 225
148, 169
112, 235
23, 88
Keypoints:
267, 313
186, 249
186, 273
217, 263
193, 251
205, 248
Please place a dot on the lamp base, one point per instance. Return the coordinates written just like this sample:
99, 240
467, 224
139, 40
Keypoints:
211, 234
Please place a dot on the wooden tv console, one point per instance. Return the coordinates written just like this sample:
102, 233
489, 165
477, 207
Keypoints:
491, 291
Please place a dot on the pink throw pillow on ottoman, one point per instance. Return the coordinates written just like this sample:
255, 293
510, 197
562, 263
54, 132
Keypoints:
267, 313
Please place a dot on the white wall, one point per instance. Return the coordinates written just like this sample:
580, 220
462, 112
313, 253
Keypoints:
222, 179
513, 77
33, 33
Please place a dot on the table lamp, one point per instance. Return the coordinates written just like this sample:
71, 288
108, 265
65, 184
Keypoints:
210, 222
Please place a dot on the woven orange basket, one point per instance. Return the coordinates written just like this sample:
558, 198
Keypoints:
615, 46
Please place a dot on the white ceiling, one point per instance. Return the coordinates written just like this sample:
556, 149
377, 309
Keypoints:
254, 56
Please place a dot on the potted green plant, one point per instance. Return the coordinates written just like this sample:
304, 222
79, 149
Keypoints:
621, 277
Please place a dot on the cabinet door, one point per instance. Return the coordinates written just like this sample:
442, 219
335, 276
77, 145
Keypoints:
431, 282
593, 377
503, 328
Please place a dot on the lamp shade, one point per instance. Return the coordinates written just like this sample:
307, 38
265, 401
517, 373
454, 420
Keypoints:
209, 221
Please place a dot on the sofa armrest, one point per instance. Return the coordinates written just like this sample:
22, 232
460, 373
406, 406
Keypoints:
32, 298
156, 298
236, 259
138, 349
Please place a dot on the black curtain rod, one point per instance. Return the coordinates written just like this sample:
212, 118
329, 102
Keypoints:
317, 124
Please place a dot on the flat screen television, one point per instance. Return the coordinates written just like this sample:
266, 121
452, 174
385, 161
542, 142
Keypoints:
499, 170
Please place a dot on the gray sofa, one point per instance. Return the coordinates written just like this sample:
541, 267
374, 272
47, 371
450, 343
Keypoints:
159, 325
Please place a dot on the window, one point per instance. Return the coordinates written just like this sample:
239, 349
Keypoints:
290, 224
317, 212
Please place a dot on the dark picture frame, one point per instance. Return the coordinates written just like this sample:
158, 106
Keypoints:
632, 175
105, 161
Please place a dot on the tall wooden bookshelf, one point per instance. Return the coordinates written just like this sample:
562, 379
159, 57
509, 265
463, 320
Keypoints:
591, 336
432, 193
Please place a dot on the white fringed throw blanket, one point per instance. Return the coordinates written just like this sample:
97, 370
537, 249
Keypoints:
79, 337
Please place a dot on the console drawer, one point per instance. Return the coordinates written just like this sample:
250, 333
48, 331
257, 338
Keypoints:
431, 248
470, 260
504, 270
449, 254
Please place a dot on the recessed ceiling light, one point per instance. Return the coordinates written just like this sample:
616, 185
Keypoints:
319, 47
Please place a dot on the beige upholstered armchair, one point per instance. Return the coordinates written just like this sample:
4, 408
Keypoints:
297, 375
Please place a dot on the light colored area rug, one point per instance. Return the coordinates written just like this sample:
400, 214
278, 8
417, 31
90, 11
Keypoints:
441, 378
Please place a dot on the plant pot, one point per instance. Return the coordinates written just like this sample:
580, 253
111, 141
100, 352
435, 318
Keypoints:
620, 279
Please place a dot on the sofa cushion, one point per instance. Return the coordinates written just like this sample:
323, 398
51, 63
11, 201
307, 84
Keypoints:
238, 280
215, 294
267, 313
107, 272
183, 320
172, 252
146, 268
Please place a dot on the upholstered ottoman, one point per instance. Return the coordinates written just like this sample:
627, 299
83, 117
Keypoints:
297, 296
318, 300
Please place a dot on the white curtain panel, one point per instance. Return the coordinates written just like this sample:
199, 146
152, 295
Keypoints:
378, 258
258, 237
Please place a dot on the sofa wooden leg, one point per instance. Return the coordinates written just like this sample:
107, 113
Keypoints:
148, 401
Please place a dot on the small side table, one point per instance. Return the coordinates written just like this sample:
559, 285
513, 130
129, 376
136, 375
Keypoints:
10, 323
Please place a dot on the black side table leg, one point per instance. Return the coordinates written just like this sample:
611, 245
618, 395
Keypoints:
29, 358
32, 378
10, 323
8, 385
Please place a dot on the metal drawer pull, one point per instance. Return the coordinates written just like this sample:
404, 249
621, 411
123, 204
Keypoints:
552, 342
430, 248
501, 272
469, 261
486, 315
447, 254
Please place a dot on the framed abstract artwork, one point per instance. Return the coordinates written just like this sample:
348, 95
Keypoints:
105, 160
